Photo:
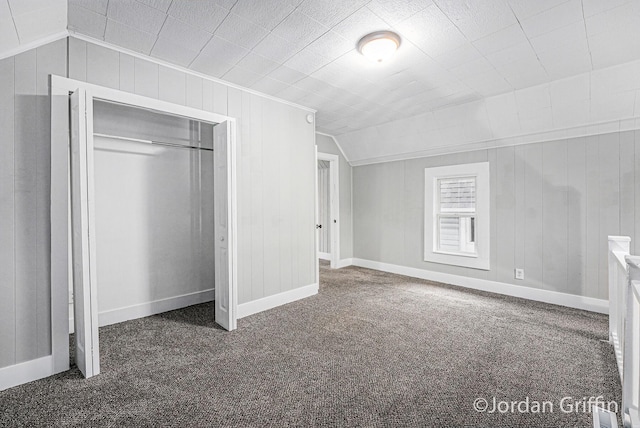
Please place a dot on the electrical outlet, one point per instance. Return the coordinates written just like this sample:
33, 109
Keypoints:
519, 273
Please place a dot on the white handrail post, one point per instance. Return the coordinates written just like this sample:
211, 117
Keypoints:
631, 351
620, 244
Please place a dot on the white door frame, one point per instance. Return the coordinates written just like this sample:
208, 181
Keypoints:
61, 269
334, 205
85, 291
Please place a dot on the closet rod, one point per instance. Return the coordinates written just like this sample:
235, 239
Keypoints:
157, 143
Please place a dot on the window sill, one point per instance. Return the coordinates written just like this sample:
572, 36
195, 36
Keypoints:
460, 260
448, 253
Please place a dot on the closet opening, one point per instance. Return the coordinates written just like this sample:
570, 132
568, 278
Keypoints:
151, 212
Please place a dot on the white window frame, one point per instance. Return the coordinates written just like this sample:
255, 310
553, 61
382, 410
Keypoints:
480, 260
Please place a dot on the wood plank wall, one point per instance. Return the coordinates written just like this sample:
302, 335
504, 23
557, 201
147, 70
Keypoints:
276, 179
553, 205
25, 299
276, 168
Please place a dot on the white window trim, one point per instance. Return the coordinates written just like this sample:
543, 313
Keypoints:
479, 170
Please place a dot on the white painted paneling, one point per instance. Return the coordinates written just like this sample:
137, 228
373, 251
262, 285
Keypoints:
367, 212
24, 190
283, 202
504, 212
50, 60
242, 105
554, 215
576, 215
127, 73
627, 179
592, 185
25, 202
172, 85
270, 199
410, 215
77, 59
551, 204
25, 206
519, 207
257, 197
195, 91
266, 130
146, 78
207, 95
220, 98
609, 164
304, 268
492, 157
235, 109
7, 206
103, 66
269, 127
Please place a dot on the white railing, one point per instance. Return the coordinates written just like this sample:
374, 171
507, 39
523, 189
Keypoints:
618, 280
624, 326
631, 357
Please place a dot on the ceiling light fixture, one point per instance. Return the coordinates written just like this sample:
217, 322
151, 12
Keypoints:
379, 46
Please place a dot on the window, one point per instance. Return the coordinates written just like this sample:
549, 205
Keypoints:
457, 215
456, 212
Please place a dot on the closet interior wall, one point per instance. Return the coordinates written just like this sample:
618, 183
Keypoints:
154, 207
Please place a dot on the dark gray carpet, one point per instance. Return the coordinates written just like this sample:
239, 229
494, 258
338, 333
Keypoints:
372, 349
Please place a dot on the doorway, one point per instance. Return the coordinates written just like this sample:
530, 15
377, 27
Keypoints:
328, 208
207, 148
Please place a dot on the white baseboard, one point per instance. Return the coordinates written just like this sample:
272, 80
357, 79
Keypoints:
270, 302
324, 256
142, 310
546, 296
26, 372
344, 263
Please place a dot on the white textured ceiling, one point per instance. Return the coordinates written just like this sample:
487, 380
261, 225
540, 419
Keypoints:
25, 21
453, 51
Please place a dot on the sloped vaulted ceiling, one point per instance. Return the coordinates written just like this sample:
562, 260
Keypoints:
27, 21
456, 55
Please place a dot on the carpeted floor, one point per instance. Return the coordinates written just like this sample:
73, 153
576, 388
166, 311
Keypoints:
372, 349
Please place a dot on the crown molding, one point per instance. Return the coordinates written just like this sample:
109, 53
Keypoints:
184, 69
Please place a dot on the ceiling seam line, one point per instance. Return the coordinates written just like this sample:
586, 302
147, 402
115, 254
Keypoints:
584, 20
13, 19
166, 18
529, 41
213, 34
457, 28
106, 15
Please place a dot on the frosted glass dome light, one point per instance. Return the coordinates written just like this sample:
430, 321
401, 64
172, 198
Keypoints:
379, 46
